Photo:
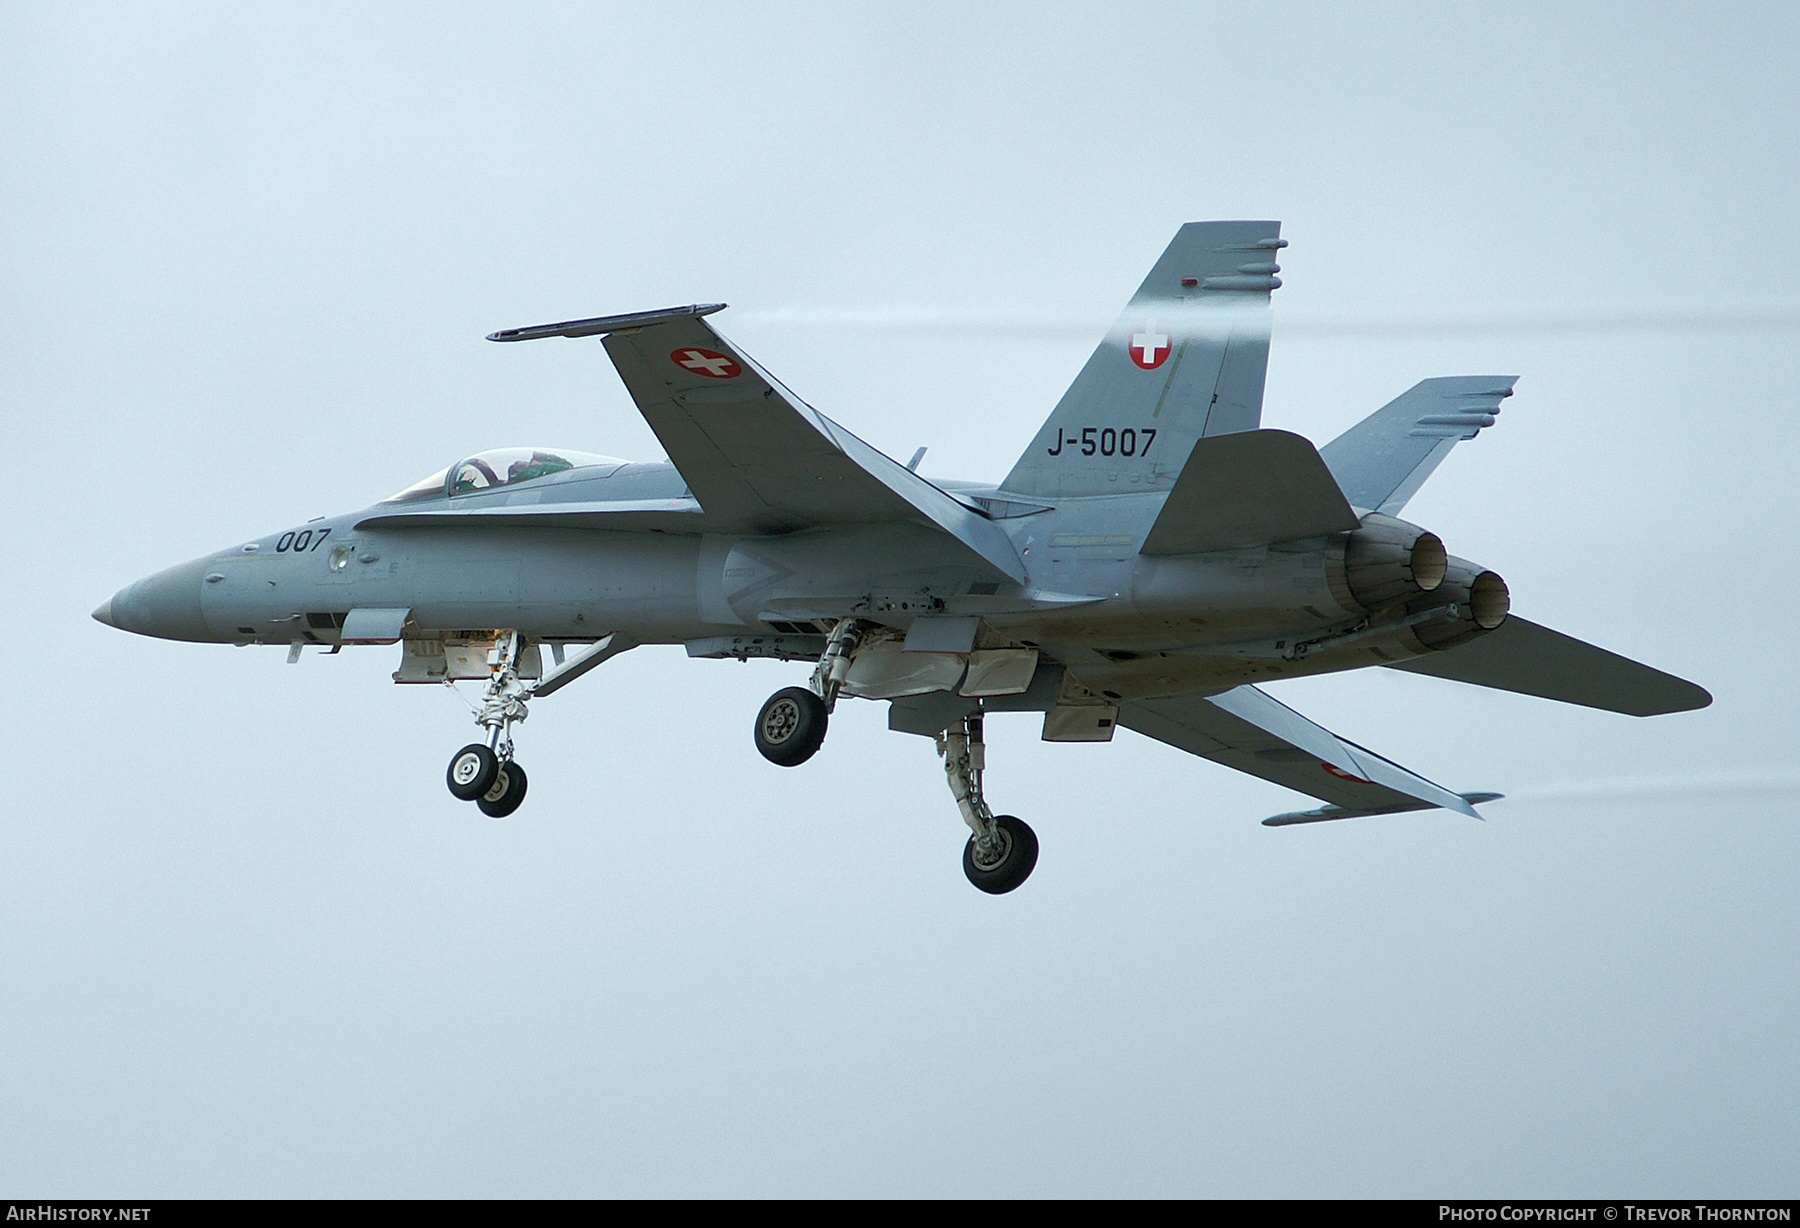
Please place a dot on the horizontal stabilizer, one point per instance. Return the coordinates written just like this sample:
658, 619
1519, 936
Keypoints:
1249, 489
1532, 660
1253, 732
1383, 460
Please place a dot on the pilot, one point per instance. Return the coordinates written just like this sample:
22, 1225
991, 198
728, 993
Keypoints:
536, 466
474, 474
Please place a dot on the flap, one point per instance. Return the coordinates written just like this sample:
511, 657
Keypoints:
1253, 732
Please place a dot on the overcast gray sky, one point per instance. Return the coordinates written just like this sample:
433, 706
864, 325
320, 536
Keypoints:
248, 943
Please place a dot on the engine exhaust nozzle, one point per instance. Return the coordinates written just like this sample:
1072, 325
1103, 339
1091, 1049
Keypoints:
1481, 599
1388, 559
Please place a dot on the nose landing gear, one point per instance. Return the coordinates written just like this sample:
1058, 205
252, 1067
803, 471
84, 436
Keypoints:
506, 794
472, 772
486, 774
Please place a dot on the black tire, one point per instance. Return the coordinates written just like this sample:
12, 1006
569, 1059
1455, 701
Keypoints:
1015, 864
471, 772
791, 726
507, 793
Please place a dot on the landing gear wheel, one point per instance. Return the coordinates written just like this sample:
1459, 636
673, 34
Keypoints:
1017, 855
506, 795
472, 771
791, 726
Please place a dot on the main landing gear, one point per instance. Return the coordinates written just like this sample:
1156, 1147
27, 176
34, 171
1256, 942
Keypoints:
485, 773
791, 725
1002, 850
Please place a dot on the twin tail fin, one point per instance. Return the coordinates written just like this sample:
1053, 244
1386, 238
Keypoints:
1186, 360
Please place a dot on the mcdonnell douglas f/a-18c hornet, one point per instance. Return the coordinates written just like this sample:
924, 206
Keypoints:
1151, 556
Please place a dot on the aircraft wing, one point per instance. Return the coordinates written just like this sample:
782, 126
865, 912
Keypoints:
1251, 731
1383, 460
1532, 660
758, 458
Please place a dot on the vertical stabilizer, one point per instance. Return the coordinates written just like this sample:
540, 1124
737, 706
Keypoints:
1383, 460
1186, 359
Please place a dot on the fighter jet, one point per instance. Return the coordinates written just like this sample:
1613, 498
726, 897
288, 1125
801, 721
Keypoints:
1152, 556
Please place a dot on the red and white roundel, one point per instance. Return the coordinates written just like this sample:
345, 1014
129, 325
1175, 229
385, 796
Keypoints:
1341, 774
709, 363
1149, 346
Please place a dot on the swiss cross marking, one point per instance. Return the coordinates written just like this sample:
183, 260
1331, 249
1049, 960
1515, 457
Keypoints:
1341, 774
709, 363
1149, 347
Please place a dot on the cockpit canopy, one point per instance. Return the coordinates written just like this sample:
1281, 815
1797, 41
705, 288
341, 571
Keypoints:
499, 467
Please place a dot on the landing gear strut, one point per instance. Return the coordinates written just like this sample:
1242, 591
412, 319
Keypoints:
486, 774
792, 724
1002, 850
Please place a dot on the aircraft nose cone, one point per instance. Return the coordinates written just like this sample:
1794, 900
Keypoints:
103, 613
165, 605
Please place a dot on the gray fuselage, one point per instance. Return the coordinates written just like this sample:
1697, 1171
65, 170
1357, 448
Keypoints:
1121, 623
